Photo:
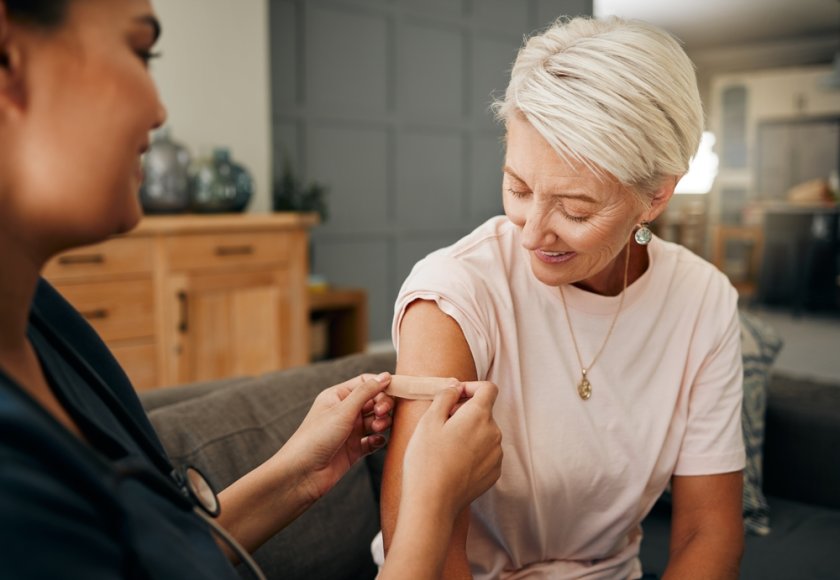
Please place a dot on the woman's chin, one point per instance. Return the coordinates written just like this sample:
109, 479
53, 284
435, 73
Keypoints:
550, 275
130, 221
125, 215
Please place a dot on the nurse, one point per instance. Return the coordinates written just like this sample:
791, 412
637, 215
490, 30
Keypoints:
85, 487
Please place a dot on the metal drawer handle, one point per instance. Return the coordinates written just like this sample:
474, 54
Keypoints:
82, 259
234, 250
96, 314
182, 300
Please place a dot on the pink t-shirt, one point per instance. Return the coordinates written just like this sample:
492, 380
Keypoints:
579, 476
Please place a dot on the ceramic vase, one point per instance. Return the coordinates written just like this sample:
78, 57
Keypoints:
166, 179
220, 184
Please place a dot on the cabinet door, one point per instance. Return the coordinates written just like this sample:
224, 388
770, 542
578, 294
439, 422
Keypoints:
775, 151
790, 153
228, 324
815, 151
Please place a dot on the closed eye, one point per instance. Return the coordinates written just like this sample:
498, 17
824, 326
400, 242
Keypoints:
570, 216
518, 193
574, 218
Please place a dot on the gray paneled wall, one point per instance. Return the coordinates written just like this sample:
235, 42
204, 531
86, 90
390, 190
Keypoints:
386, 101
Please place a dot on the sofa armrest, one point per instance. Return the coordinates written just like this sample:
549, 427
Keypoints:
802, 442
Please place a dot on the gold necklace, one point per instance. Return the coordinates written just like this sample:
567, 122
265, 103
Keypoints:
584, 387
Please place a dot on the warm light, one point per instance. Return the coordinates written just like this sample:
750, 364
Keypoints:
702, 169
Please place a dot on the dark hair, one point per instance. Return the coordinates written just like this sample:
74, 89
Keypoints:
45, 13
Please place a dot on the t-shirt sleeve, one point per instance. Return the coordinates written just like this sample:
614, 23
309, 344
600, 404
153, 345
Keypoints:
713, 441
459, 291
47, 531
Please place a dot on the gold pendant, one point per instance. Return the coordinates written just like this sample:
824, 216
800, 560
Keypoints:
584, 387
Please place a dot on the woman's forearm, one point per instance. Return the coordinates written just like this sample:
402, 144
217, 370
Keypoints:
345, 423
707, 554
419, 544
707, 529
262, 503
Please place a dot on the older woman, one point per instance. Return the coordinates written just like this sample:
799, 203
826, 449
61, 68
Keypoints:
617, 353
86, 490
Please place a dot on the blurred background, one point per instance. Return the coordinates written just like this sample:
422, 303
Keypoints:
384, 103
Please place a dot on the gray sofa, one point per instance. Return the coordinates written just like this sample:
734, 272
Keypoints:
228, 427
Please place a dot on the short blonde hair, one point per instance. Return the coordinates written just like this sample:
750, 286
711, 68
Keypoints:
618, 95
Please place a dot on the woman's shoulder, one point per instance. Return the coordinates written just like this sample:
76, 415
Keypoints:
680, 262
687, 279
489, 248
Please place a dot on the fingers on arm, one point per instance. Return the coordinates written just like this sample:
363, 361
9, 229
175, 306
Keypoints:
443, 404
483, 391
359, 394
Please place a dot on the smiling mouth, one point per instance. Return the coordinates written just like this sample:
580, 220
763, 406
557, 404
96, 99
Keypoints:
554, 257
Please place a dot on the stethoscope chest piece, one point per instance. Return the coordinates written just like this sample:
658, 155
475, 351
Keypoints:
200, 491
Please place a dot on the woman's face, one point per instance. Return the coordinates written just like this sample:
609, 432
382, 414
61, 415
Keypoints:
87, 104
574, 224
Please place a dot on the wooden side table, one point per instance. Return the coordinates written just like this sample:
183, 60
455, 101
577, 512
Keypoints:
342, 315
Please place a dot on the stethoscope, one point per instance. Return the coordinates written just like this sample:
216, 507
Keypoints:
189, 489
186, 487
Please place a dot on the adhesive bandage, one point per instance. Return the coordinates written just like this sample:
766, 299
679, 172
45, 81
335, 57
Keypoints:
418, 388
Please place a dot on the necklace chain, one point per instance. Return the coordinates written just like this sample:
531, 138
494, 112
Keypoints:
584, 388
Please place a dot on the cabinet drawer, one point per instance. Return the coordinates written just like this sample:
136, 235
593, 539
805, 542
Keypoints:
139, 361
117, 310
198, 252
117, 256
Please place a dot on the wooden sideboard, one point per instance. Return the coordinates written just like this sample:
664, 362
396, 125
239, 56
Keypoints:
189, 298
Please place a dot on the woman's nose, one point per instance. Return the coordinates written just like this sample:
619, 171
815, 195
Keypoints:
160, 115
536, 232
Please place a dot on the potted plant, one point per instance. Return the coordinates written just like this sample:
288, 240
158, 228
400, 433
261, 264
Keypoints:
291, 194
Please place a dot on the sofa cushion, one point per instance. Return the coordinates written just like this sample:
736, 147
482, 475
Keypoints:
759, 346
330, 540
802, 461
802, 545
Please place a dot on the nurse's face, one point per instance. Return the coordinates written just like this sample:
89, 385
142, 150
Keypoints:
77, 121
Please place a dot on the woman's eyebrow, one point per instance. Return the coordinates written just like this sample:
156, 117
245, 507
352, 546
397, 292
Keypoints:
580, 196
512, 173
152, 22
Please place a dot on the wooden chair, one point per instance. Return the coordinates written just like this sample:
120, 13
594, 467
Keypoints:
752, 236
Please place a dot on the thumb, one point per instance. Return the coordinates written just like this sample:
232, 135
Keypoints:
362, 393
443, 402
482, 393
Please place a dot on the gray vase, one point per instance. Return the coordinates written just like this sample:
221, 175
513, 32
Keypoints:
166, 180
220, 185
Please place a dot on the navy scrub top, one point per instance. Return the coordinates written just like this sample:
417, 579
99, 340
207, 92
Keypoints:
104, 510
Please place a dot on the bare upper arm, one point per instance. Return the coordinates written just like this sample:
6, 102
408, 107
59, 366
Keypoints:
431, 344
